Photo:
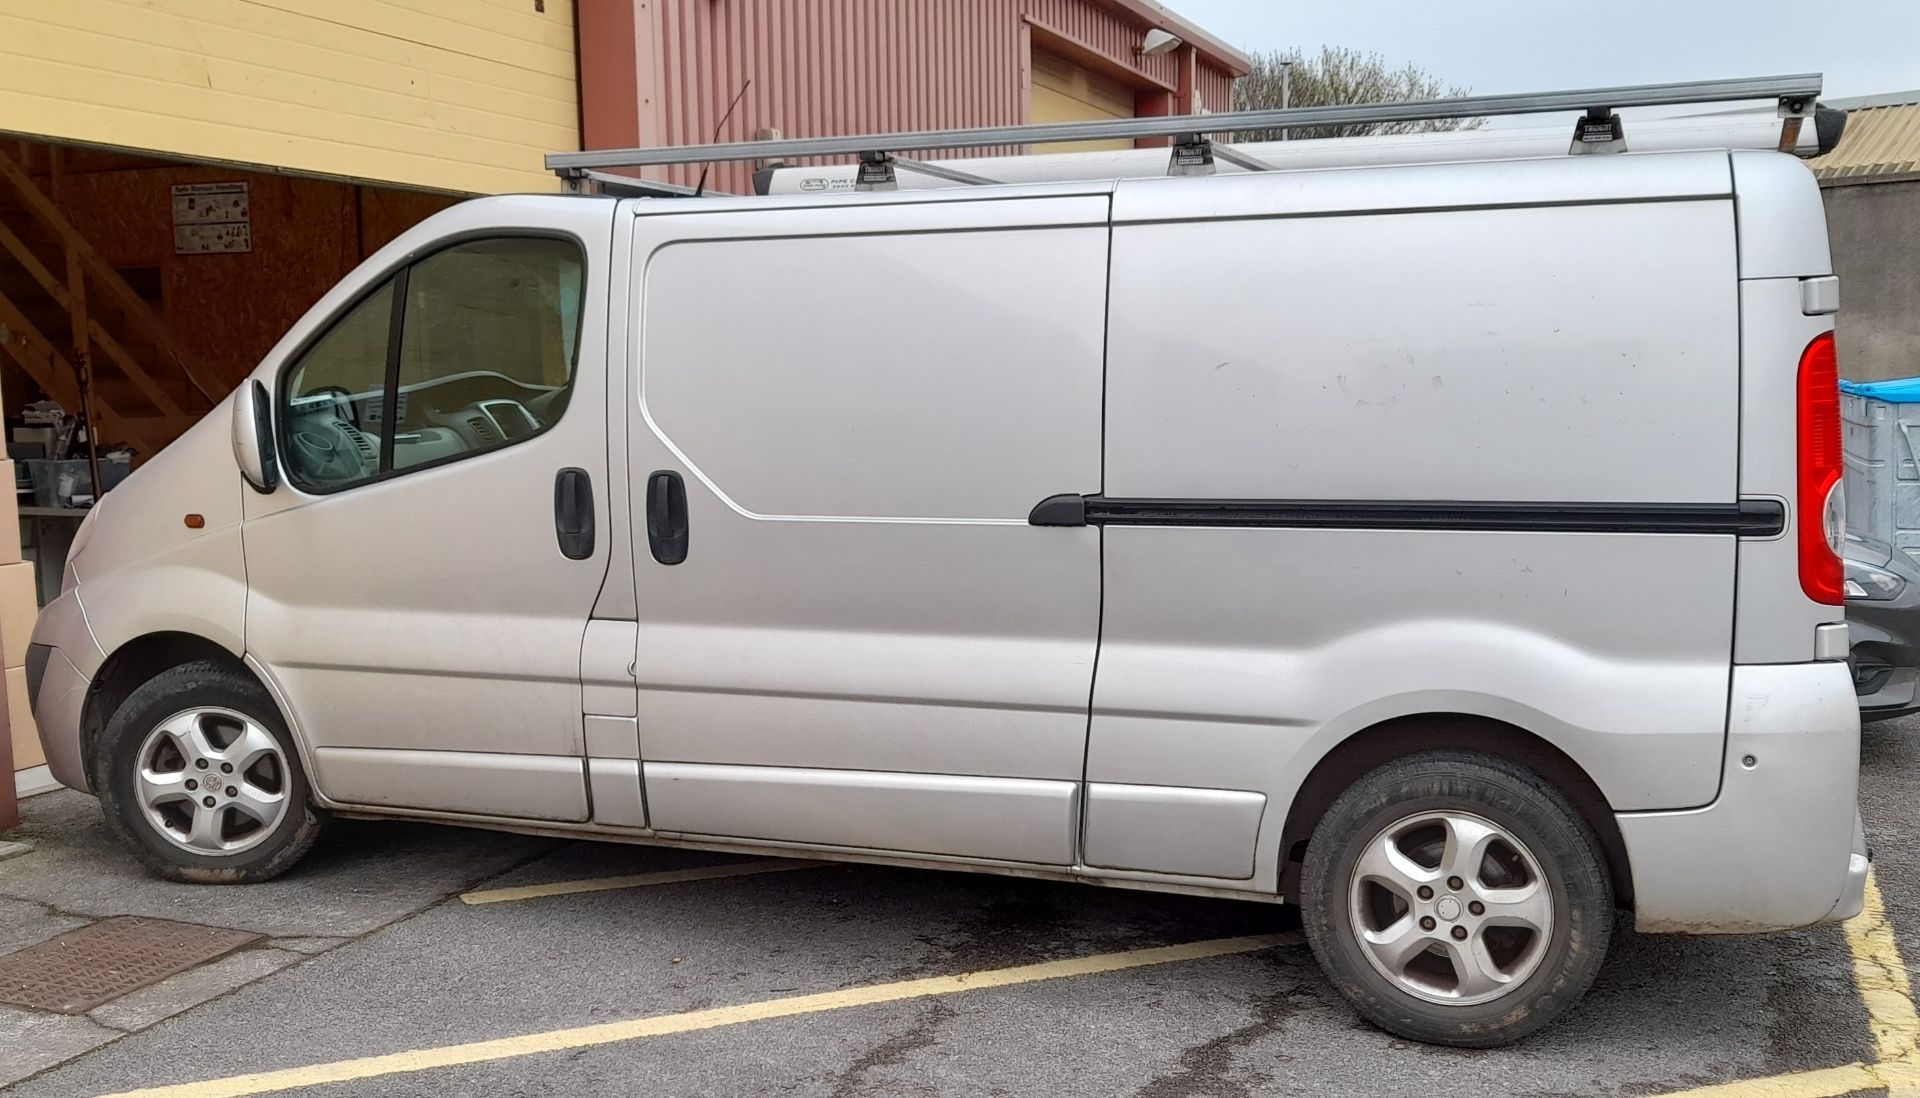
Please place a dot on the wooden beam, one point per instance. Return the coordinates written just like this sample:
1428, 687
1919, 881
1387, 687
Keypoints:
162, 400
77, 326
77, 304
25, 257
57, 290
53, 373
136, 309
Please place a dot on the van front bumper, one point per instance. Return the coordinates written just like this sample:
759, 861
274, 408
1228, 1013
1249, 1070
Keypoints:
65, 659
1782, 845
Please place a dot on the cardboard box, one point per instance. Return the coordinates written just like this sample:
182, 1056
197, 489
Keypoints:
9, 516
26, 736
19, 606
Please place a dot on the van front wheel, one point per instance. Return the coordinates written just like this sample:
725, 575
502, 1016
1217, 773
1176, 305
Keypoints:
1455, 898
202, 781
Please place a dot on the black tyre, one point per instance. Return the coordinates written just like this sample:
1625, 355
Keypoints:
1457, 899
201, 779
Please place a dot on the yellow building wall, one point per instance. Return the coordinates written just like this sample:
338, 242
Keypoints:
1065, 91
454, 95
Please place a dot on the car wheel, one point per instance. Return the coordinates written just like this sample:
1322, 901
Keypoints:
1457, 899
202, 781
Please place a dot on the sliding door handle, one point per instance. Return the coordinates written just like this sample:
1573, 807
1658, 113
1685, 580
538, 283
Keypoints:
573, 513
667, 517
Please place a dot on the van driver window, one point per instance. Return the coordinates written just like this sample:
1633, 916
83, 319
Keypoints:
489, 331
486, 346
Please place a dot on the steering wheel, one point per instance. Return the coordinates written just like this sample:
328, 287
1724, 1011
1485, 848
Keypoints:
326, 448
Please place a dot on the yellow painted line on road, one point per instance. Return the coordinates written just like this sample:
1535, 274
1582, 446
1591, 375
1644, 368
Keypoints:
1822, 1083
371, 1067
637, 880
1880, 974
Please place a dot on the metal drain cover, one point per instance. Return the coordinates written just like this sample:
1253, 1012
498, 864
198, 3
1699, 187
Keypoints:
81, 969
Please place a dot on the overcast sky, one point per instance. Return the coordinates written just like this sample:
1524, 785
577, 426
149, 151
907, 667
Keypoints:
1863, 46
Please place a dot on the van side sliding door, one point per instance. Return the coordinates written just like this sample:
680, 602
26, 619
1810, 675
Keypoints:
849, 634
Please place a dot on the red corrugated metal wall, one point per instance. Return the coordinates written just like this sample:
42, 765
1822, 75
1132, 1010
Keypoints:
821, 67
1215, 88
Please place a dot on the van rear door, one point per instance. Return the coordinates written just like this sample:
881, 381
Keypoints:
849, 635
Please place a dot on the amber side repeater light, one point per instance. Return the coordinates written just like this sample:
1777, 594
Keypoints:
195, 522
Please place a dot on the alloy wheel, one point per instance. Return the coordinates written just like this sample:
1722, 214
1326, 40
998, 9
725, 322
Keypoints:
1451, 907
211, 781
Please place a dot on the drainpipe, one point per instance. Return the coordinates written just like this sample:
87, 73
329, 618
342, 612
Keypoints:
1186, 81
579, 81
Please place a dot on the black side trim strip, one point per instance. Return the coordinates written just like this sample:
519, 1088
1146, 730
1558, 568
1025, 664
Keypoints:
1065, 509
1747, 518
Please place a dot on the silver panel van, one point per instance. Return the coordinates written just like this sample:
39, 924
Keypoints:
1449, 549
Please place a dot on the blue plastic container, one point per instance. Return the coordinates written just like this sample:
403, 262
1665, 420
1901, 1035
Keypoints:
1880, 425
1901, 390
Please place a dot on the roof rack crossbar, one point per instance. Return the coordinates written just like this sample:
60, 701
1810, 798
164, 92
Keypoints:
1796, 94
1234, 156
627, 186
934, 169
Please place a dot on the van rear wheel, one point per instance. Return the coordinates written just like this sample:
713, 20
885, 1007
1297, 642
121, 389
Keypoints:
1455, 898
201, 779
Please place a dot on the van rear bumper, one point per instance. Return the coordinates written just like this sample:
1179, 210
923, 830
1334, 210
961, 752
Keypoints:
1781, 846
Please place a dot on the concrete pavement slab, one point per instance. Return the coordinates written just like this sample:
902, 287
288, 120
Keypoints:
32, 1041
24, 923
307, 945
360, 877
191, 988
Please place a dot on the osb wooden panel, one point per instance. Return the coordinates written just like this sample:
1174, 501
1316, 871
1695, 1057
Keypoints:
386, 214
226, 311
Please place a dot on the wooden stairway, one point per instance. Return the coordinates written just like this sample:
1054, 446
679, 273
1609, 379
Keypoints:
64, 309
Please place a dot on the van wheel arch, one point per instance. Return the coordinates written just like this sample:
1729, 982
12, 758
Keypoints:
1382, 743
132, 664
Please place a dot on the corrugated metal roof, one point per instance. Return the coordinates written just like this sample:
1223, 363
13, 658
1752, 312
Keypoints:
1879, 140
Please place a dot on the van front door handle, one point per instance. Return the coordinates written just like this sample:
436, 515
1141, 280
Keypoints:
667, 517
573, 513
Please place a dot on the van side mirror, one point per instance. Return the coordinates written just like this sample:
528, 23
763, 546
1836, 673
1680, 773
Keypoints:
253, 448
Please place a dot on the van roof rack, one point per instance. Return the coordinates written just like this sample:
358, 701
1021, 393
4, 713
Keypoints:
1598, 130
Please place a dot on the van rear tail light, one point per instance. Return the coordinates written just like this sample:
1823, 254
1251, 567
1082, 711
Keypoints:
1820, 512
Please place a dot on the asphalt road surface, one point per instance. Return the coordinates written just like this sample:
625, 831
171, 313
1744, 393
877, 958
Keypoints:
712, 974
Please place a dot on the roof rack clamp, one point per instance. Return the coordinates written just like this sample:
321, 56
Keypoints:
1794, 111
876, 173
1192, 155
1598, 131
